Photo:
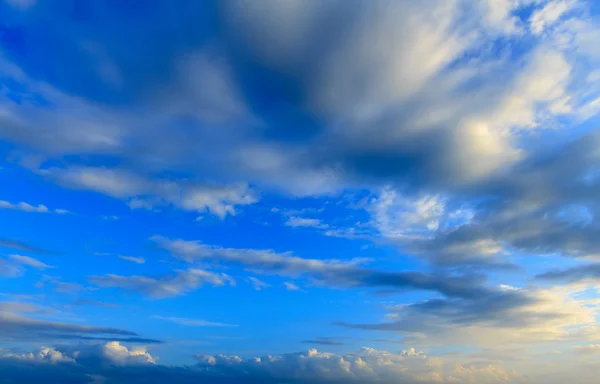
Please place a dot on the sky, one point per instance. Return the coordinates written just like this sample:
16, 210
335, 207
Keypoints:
299, 191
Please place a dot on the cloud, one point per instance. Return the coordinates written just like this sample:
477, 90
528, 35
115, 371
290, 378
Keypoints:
117, 363
26, 207
258, 284
219, 200
589, 272
294, 221
339, 273
322, 341
14, 265
192, 322
587, 349
137, 260
14, 244
164, 286
18, 327
292, 287
509, 317
29, 261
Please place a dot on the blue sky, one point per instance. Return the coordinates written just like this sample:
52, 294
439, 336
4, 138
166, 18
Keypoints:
349, 191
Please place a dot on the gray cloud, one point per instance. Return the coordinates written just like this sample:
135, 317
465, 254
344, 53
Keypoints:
17, 327
589, 272
329, 272
164, 286
510, 316
15, 244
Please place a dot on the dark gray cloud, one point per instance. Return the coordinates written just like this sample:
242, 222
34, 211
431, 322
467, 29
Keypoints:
508, 316
17, 327
323, 341
575, 274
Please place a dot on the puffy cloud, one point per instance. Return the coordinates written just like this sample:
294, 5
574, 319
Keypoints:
43, 355
164, 286
367, 365
117, 363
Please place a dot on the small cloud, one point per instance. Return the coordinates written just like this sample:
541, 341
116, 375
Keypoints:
21, 246
26, 207
295, 221
29, 261
322, 341
137, 260
292, 287
193, 322
258, 284
110, 217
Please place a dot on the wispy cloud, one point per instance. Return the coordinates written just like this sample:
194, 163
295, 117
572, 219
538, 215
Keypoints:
192, 322
137, 260
26, 207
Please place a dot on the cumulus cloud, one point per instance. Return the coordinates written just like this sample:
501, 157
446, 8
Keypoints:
164, 286
117, 363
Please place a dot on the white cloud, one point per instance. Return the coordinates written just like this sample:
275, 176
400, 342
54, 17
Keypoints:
367, 365
14, 265
292, 287
192, 322
164, 286
26, 207
295, 221
29, 261
219, 200
137, 260
258, 284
